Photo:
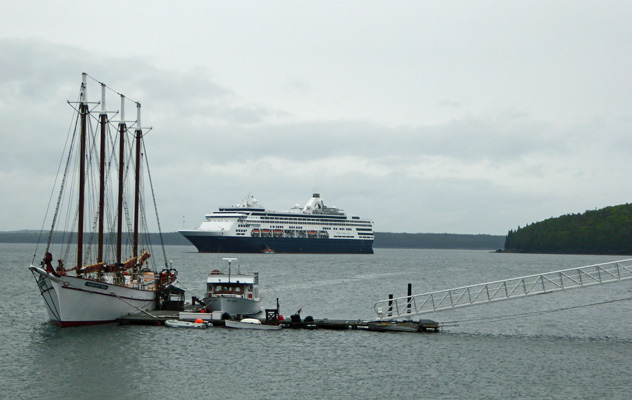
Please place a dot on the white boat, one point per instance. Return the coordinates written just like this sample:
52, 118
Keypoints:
111, 273
193, 316
250, 323
174, 323
233, 293
250, 228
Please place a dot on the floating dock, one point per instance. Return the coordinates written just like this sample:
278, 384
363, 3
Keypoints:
158, 318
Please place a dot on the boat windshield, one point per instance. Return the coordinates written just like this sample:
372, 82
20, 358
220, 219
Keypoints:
227, 289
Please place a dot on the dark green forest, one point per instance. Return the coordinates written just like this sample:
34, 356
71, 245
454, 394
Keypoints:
604, 231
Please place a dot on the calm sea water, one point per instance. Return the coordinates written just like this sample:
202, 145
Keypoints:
583, 353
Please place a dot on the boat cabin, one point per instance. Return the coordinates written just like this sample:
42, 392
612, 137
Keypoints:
232, 285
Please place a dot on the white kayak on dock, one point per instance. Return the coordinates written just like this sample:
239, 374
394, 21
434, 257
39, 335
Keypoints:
250, 323
174, 323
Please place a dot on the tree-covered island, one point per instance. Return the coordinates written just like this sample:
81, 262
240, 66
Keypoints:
604, 231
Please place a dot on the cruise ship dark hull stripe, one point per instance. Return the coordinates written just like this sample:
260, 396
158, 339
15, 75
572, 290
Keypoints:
231, 244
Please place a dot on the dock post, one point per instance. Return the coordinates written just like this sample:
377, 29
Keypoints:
410, 297
390, 306
272, 314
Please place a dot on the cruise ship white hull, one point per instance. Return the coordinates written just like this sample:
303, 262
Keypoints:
73, 301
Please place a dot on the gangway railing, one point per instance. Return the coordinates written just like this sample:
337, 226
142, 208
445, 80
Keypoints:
572, 278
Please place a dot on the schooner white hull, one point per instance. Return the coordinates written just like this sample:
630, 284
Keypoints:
73, 301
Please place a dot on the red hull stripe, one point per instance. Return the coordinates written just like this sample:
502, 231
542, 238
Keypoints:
65, 324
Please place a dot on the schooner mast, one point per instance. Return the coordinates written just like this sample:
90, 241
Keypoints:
83, 111
119, 226
138, 134
101, 208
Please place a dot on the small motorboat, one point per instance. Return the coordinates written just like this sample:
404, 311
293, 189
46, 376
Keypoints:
233, 293
174, 323
250, 323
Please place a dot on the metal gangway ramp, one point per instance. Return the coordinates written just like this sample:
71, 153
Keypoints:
572, 278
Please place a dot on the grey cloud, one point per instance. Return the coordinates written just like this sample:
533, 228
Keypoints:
209, 147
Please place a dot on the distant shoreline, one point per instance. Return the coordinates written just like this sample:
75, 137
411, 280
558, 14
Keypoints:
382, 240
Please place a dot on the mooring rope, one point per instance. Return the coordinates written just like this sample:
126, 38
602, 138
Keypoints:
132, 305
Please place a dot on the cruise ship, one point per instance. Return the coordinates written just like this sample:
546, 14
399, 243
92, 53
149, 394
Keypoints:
250, 228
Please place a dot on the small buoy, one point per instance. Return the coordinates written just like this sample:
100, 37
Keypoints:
199, 321
280, 317
203, 310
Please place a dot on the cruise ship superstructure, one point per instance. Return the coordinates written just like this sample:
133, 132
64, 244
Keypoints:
250, 228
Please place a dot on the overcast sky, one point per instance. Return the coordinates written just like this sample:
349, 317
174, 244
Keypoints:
425, 116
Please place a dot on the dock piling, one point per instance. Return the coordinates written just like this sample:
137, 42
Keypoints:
410, 297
